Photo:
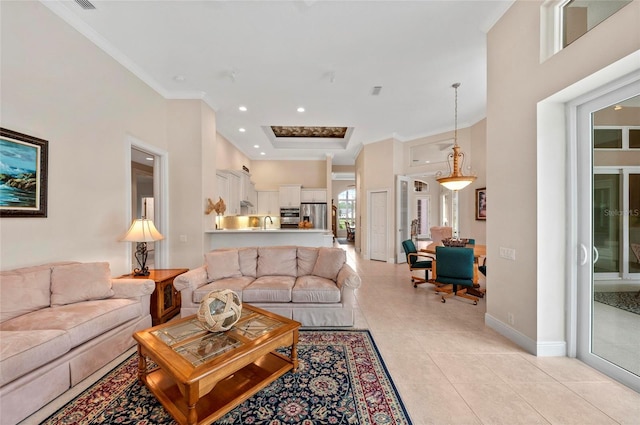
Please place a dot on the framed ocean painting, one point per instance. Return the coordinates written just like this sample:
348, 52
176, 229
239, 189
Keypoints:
23, 175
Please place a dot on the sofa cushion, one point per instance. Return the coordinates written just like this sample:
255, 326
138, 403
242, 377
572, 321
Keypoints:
222, 264
277, 261
24, 292
236, 284
82, 321
315, 289
329, 263
307, 257
23, 351
73, 283
269, 289
248, 261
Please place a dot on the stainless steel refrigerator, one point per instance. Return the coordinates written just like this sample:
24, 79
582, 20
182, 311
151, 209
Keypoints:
316, 213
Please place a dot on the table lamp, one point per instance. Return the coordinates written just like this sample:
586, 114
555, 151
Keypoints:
142, 230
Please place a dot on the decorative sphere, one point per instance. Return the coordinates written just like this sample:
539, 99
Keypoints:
219, 310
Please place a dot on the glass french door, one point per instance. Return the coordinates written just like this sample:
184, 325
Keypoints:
608, 287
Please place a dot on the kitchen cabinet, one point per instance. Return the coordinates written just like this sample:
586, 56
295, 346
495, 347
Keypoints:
313, 195
228, 185
289, 196
269, 202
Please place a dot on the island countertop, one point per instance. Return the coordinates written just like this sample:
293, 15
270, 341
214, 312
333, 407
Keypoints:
271, 230
235, 238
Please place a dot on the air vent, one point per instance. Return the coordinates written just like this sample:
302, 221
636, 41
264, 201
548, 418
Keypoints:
376, 90
85, 4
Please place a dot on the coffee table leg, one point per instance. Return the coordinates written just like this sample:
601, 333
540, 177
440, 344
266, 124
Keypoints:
142, 365
294, 351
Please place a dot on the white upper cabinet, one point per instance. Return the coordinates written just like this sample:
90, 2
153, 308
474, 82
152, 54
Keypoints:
313, 195
269, 202
290, 196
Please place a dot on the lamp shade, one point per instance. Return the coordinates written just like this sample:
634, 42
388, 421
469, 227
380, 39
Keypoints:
142, 230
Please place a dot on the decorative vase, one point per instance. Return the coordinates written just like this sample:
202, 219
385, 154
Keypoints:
219, 310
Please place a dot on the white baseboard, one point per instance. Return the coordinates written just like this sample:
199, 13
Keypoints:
537, 348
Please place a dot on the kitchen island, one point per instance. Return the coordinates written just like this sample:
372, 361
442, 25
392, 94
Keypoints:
235, 238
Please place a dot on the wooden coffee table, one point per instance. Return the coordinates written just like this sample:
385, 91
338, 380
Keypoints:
202, 375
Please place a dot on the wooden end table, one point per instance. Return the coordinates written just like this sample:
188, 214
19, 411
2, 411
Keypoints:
202, 375
165, 300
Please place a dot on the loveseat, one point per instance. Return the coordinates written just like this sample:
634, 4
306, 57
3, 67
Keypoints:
59, 323
314, 286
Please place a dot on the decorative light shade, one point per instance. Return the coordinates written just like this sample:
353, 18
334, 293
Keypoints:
456, 180
142, 230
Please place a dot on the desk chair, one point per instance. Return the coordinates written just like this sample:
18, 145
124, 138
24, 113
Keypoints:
454, 267
483, 268
414, 262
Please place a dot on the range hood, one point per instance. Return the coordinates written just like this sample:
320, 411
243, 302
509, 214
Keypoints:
245, 204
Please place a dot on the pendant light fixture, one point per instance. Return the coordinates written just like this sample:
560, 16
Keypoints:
455, 180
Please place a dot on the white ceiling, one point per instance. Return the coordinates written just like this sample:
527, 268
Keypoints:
274, 56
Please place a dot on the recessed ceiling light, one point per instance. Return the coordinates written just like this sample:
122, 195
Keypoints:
241, 130
262, 153
242, 108
149, 158
256, 146
300, 109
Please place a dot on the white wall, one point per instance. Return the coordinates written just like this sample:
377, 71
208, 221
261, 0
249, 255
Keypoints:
526, 173
58, 86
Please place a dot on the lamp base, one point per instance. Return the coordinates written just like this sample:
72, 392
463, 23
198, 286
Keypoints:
141, 272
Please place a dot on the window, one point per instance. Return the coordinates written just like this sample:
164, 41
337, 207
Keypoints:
346, 207
616, 137
564, 21
581, 16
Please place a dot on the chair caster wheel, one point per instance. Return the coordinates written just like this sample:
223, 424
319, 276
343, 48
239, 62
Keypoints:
415, 285
443, 301
475, 303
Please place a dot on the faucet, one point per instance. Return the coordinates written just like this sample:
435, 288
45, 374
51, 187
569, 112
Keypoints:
264, 223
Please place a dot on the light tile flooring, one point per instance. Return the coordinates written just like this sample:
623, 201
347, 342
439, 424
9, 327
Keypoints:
451, 369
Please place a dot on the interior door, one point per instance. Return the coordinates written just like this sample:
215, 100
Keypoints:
402, 217
608, 336
378, 225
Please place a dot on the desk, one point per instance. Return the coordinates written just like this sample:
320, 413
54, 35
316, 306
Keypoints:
478, 251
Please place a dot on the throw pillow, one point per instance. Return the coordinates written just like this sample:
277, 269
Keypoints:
222, 264
248, 261
329, 263
74, 283
277, 261
24, 292
307, 257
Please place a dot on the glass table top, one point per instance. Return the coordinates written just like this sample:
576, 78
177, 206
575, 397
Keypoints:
191, 340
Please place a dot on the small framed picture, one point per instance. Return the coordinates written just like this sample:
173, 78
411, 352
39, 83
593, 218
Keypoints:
23, 176
481, 203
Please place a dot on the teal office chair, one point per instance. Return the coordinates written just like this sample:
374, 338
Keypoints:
454, 266
483, 268
415, 263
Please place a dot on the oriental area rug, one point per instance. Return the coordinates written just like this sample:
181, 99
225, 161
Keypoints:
628, 301
341, 379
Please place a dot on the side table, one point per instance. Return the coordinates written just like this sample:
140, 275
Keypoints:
165, 300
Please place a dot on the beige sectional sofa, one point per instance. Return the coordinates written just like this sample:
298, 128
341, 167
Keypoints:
314, 286
59, 323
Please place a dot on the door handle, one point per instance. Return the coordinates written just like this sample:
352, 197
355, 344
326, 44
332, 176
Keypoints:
585, 254
596, 254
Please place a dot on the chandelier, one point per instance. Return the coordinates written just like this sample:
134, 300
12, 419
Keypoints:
455, 180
